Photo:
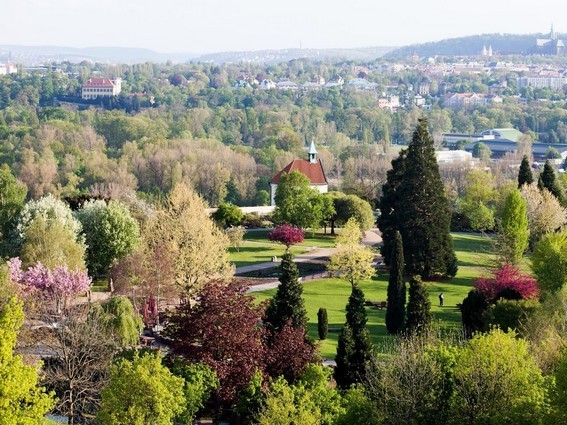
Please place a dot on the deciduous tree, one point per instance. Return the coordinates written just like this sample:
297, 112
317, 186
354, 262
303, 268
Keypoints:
296, 202
513, 234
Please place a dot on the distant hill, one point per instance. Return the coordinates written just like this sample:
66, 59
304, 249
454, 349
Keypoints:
503, 44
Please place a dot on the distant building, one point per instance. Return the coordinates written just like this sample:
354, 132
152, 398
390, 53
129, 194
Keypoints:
101, 87
312, 168
267, 84
8, 68
542, 82
451, 157
486, 52
466, 100
551, 46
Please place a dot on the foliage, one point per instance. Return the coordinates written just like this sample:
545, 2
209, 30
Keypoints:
200, 381
322, 323
358, 409
418, 308
512, 314
507, 277
525, 175
477, 202
415, 204
183, 230
120, 319
110, 233
296, 202
355, 349
545, 213
547, 180
513, 233
351, 206
228, 215
549, 262
396, 310
558, 396
12, 198
141, 391
474, 313
235, 236
287, 305
287, 235
497, 380
22, 401
208, 332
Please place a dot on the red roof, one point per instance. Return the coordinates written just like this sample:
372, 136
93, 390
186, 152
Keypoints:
314, 172
99, 82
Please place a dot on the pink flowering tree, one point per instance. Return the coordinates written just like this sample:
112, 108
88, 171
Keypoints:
57, 285
287, 235
508, 278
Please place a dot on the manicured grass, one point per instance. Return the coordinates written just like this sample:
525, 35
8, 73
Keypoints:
256, 247
332, 294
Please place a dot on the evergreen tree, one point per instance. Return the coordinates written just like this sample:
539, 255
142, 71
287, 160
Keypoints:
287, 304
322, 323
415, 204
355, 349
419, 307
525, 175
395, 314
548, 181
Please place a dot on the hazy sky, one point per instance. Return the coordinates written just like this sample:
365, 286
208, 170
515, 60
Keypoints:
227, 25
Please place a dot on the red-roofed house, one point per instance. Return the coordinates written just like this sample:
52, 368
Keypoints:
312, 168
99, 87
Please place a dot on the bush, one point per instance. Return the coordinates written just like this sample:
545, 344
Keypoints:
505, 279
474, 313
228, 215
322, 323
512, 314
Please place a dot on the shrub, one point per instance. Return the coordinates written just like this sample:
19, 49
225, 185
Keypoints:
322, 323
503, 280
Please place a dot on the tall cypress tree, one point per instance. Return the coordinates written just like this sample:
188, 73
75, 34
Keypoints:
414, 202
396, 312
287, 304
355, 349
548, 181
525, 175
419, 307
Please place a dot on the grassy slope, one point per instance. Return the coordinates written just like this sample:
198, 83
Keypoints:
333, 295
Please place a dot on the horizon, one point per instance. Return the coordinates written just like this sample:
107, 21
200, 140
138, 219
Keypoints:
220, 26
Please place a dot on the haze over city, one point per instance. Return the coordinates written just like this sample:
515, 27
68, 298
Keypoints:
221, 25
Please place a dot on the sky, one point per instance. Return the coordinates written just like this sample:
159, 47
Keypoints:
206, 26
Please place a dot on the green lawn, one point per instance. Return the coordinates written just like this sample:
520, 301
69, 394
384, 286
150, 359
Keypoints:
333, 295
258, 249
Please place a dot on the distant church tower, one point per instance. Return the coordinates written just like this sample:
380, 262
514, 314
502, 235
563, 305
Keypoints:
552, 34
312, 152
489, 50
484, 51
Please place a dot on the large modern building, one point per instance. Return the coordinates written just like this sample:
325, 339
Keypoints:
542, 82
312, 168
101, 87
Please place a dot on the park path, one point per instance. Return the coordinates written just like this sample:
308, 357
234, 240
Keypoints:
371, 238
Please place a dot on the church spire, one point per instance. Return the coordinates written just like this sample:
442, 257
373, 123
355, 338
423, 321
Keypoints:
312, 152
552, 34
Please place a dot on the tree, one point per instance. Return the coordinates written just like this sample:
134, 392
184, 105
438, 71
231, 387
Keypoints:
12, 198
415, 204
184, 231
222, 331
287, 305
545, 213
235, 236
549, 262
418, 308
496, 380
352, 260
482, 151
354, 349
396, 311
477, 202
525, 175
296, 201
351, 206
474, 313
513, 233
121, 321
22, 401
110, 233
228, 215
322, 323
287, 235
547, 180
504, 280
140, 392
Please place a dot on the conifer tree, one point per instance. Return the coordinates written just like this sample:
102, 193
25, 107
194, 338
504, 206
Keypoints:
395, 314
287, 304
322, 323
419, 307
415, 204
355, 349
548, 181
525, 175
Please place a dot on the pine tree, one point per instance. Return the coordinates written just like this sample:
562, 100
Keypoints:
525, 174
355, 349
415, 204
287, 304
395, 314
419, 307
548, 181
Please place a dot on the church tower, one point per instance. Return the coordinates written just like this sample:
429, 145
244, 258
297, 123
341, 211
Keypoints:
312, 152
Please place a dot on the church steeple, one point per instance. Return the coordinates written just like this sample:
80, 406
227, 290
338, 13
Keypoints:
552, 34
312, 152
